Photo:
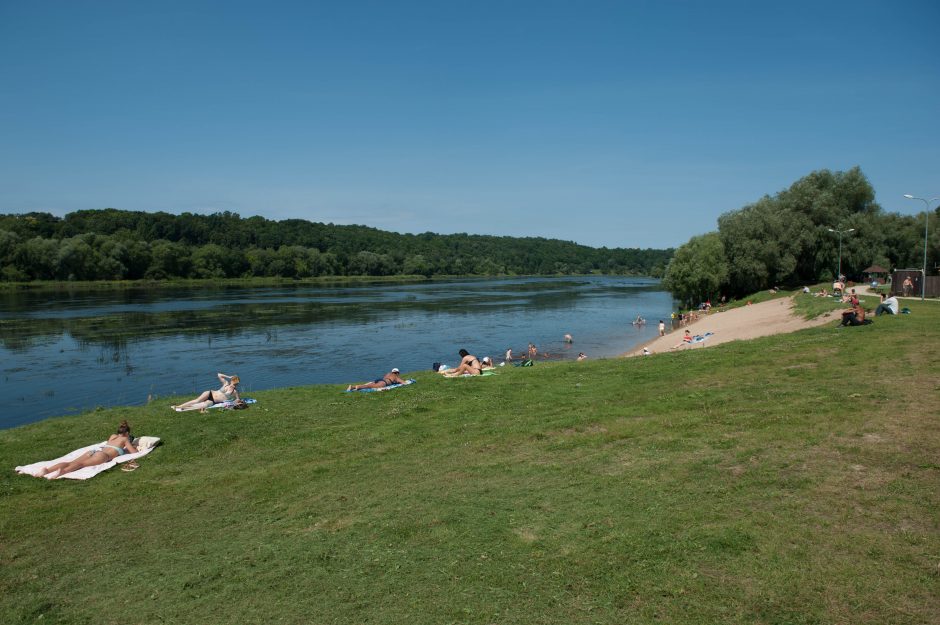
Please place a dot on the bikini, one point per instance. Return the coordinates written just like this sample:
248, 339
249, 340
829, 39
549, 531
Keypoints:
227, 396
121, 451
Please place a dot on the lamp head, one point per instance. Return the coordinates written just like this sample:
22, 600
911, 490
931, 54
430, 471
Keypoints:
909, 196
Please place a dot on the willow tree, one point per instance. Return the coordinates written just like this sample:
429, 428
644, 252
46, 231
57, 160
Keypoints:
698, 270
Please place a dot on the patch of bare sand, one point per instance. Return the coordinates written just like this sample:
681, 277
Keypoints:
747, 322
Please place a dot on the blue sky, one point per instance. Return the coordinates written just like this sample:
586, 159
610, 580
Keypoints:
625, 124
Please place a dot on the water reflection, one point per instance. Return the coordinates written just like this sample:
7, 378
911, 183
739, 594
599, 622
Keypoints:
118, 347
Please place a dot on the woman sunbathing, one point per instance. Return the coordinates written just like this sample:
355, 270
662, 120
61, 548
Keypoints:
228, 392
686, 340
118, 444
469, 365
388, 379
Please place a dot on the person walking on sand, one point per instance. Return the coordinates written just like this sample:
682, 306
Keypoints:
662, 328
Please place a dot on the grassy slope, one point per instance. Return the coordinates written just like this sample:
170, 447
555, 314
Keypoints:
792, 479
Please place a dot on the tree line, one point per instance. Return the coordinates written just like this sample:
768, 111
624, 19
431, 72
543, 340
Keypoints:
113, 244
792, 239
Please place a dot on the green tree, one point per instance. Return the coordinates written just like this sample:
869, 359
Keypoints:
698, 270
39, 258
169, 260
209, 261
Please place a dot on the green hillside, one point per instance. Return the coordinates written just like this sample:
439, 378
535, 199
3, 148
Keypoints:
791, 479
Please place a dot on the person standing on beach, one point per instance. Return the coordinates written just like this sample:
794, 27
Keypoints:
662, 328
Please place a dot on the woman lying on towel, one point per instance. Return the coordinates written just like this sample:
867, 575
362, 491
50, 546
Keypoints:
118, 444
227, 392
388, 379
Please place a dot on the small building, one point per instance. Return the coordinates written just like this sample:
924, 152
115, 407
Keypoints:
876, 273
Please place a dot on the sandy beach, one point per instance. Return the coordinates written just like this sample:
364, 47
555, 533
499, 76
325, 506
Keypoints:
746, 322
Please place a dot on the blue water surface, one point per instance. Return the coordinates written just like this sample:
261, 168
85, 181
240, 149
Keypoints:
67, 352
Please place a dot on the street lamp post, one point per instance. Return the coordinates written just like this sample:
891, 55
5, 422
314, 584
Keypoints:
927, 203
841, 232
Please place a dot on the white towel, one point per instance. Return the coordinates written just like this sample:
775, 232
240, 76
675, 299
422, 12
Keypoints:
84, 473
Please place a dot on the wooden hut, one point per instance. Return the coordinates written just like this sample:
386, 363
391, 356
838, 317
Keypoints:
876, 273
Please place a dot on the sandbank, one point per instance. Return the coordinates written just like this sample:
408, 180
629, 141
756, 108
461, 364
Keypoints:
747, 322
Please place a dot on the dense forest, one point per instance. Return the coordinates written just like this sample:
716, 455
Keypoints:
112, 244
793, 239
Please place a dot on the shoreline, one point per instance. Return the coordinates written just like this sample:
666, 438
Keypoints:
746, 322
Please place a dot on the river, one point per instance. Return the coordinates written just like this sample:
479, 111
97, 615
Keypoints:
66, 352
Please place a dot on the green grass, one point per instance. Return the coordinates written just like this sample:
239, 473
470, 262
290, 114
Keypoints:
790, 479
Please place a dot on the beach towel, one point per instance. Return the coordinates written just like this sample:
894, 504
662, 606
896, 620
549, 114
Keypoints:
224, 404
230, 403
700, 338
485, 373
384, 388
83, 473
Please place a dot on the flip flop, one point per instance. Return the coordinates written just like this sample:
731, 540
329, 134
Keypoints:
130, 466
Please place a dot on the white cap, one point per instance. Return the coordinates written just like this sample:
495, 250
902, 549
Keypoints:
395, 370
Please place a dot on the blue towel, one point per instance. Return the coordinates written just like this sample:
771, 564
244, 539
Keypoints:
384, 388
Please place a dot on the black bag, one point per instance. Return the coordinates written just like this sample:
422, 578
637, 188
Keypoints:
436, 366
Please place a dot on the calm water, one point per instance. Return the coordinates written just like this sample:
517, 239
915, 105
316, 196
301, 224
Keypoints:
63, 353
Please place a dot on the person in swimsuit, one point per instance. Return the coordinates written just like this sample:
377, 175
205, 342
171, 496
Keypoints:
388, 379
469, 365
118, 444
686, 340
228, 392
